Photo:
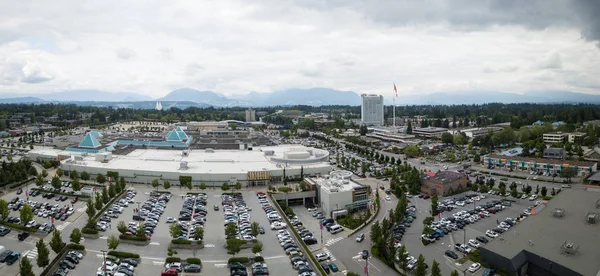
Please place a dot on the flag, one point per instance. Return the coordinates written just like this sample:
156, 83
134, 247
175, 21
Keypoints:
321, 225
367, 269
395, 90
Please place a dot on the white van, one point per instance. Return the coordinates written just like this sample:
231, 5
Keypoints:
334, 229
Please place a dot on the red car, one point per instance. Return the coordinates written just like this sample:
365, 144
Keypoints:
74, 200
169, 272
426, 196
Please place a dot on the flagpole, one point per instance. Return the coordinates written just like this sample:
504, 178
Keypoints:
394, 108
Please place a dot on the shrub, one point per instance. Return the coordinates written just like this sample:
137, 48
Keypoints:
259, 259
243, 260
89, 231
181, 242
121, 254
200, 242
194, 261
546, 197
132, 238
172, 260
18, 226
75, 246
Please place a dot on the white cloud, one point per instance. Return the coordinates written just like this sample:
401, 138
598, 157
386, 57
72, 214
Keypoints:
235, 46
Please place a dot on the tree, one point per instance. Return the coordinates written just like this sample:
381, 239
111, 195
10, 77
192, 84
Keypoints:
257, 247
91, 211
460, 139
85, 176
401, 252
553, 192
155, 184
166, 184
113, 242
75, 236
411, 151
99, 203
26, 214
454, 273
60, 172
111, 190
26, 269
447, 138
435, 269
238, 186
230, 231
74, 175
100, 178
202, 186
4, 211
39, 180
254, 228
199, 233
44, 173
421, 269
513, 192
76, 185
434, 205
225, 187
568, 173
175, 230
43, 253
409, 128
544, 191
171, 251
537, 189
56, 182
122, 183
56, 243
234, 246
354, 273
141, 232
122, 227
105, 197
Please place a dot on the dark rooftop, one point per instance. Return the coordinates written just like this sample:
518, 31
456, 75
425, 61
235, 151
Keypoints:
550, 233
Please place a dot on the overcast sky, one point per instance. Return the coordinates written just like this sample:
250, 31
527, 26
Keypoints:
234, 47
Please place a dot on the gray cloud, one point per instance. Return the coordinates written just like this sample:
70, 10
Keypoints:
125, 53
33, 73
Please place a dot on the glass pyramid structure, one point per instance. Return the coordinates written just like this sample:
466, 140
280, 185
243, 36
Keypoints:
177, 135
90, 140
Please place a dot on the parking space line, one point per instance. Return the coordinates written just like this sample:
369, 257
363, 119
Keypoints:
209, 245
154, 243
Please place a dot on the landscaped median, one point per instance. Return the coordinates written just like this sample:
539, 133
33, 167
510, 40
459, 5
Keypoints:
124, 255
373, 217
93, 233
305, 249
59, 193
187, 261
90, 233
18, 226
52, 265
135, 240
187, 244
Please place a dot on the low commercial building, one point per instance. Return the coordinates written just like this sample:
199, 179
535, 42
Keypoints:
576, 137
555, 153
338, 192
443, 183
481, 131
559, 238
537, 165
429, 132
554, 137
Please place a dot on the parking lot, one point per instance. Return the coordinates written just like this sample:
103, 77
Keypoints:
436, 250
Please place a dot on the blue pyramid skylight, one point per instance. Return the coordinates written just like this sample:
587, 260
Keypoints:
89, 141
96, 134
173, 136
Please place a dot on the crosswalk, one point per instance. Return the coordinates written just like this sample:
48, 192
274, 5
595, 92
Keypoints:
333, 241
331, 257
31, 254
63, 226
345, 272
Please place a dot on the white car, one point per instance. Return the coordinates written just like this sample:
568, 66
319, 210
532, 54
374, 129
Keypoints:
460, 203
277, 226
474, 243
474, 267
387, 198
322, 257
491, 234
312, 209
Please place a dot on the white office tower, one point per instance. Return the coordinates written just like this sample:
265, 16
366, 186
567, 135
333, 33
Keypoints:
371, 109
158, 106
250, 115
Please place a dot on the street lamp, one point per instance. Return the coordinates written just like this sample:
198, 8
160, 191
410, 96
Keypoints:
138, 209
104, 264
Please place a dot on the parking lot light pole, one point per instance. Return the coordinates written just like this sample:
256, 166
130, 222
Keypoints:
138, 209
104, 264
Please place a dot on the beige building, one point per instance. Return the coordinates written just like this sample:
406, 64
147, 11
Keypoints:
250, 115
554, 137
576, 137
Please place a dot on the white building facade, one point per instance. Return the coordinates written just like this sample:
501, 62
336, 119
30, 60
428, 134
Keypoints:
371, 110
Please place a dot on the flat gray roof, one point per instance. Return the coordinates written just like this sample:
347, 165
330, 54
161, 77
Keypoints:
549, 233
595, 177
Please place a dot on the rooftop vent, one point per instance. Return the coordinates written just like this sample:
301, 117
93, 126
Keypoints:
558, 212
592, 218
569, 248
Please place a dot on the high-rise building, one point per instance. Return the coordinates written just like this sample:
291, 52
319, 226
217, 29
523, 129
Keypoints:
158, 106
371, 109
250, 115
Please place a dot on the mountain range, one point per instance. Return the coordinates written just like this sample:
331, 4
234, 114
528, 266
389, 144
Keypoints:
186, 97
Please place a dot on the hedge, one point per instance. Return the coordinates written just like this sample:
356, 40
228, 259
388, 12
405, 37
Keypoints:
200, 242
18, 226
133, 238
191, 193
59, 193
259, 259
121, 254
371, 219
194, 261
298, 238
89, 231
172, 260
243, 260
181, 241
162, 192
546, 197
75, 246
22, 182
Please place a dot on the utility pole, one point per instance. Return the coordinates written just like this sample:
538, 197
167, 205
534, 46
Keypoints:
104, 264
